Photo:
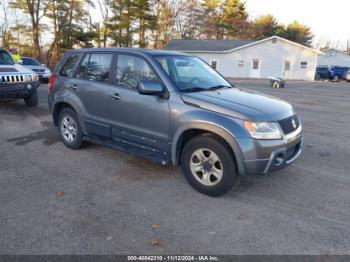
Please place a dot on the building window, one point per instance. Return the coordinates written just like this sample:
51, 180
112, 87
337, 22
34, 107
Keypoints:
240, 63
287, 65
255, 64
303, 65
214, 64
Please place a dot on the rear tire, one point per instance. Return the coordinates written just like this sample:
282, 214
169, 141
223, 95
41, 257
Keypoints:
208, 166
32, 100
69, 128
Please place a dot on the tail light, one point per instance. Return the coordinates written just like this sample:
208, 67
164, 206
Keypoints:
52, 80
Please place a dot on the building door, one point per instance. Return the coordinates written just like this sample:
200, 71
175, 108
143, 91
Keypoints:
287, 72
255, 68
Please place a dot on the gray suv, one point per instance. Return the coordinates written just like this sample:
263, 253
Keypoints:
173, 109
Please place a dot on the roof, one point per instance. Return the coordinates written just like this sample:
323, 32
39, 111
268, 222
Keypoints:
223, 46
336, 50
206, 45
130, 50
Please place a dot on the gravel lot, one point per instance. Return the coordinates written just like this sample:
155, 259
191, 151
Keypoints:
99, 201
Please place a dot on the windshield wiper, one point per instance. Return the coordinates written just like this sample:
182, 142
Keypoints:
193, 89
219, 87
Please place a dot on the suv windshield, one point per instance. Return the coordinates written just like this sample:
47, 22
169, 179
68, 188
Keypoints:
5, 58
191, 74
30, 61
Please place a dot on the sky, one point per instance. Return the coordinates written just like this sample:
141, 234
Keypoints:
328, 20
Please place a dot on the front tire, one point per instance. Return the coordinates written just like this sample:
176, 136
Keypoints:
32, 100
69, 129
208, 165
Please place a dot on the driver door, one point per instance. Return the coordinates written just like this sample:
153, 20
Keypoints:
138, 121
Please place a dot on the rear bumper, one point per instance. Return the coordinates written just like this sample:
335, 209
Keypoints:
17, 90
274, 154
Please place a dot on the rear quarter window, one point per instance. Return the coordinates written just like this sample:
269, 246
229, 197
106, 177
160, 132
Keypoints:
68, 67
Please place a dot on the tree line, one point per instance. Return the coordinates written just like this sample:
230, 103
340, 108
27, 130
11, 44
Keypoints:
46, 28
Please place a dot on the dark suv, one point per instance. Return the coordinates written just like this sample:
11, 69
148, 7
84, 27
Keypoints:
174, 109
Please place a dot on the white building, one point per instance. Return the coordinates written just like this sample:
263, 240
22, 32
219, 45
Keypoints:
334, 57
274, 56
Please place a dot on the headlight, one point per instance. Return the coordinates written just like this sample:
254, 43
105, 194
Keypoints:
35, 77
47, 71
263, 130
27, 78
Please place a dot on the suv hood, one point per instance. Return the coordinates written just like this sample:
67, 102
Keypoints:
14, 69
241, 104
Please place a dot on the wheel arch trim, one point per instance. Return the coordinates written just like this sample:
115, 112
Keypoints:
73, 105
220, 131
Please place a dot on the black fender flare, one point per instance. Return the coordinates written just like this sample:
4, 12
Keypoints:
72, 104
220, 131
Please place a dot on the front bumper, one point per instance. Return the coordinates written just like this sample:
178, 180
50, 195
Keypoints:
273, 155
43, 76
17, 90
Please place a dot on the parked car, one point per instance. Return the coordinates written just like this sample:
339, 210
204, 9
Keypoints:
16, 81
338, 73
334, 73
322, 73
40, 69
173, 109
347, 76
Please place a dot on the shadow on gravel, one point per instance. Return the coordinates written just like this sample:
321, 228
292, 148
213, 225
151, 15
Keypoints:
15, 108
49, 135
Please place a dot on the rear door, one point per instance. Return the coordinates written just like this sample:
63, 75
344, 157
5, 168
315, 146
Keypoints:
92, 85
139, 121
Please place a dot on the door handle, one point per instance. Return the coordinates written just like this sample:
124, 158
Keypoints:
115, 96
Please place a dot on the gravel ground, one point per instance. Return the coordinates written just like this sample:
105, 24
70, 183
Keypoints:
96, 200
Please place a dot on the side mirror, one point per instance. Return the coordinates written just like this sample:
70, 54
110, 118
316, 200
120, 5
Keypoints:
20, 62
147, 87
43, 65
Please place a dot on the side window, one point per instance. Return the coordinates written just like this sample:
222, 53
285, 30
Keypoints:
303, 65
83, 67
68, 67
99, 67
131, 70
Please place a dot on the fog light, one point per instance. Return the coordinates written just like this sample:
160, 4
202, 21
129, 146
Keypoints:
278, 160
29, 86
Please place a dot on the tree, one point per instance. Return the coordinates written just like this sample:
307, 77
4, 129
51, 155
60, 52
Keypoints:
188, 25
210, 19
299, 33
103, 5
145, 20
265, 26
234, 19
165, 13
121, 22
36, 10
224, 19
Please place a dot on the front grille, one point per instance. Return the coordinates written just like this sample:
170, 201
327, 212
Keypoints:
15, 78
289, 124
